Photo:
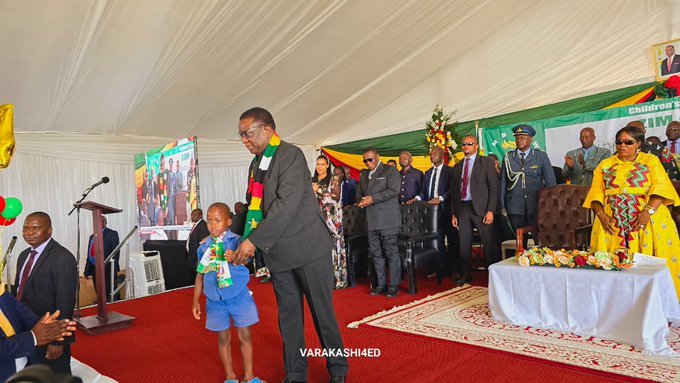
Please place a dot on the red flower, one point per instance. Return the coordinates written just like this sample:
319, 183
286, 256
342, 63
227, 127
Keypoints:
673, 82
580, 260
440, 124
622, 256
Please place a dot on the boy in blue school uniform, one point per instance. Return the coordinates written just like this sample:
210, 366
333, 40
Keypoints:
227, 297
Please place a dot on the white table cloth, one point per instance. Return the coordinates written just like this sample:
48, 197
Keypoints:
632, 306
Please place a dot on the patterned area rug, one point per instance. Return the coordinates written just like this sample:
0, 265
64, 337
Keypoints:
462, 315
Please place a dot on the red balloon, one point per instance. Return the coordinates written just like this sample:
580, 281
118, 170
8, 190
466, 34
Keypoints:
2, 204
6, 222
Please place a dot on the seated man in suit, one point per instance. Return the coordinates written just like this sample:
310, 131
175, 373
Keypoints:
21, 331
111, 241
378, 191
46, 281
474, 199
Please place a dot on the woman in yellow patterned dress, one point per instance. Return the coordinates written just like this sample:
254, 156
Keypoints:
629, 194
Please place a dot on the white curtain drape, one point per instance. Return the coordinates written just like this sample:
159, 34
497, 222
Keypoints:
50, 171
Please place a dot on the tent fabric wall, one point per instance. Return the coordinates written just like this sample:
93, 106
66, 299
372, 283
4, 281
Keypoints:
331, 71
50, 171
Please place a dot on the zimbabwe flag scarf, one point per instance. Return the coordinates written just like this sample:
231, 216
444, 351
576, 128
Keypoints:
256, 185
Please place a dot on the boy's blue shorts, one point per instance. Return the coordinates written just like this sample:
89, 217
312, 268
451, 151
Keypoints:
241, 308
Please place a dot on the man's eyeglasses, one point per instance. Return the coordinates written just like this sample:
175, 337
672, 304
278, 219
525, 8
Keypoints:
467, 144
627, 142
248, 134
367, 160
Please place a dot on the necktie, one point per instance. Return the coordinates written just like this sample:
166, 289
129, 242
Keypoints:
669, 63
466, 179
25, 273
673, 146
521, 157
90, 254
432, 183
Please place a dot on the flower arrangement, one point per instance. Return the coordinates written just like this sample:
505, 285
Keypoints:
543, 256
668, 88
437, 135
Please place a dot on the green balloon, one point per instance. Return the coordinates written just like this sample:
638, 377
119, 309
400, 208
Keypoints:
13, 208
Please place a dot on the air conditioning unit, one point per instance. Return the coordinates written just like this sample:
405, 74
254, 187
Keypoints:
144, 274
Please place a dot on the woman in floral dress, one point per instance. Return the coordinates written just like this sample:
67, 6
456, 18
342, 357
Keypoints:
332, 207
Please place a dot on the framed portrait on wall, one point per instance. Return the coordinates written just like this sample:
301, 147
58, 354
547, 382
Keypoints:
666, 59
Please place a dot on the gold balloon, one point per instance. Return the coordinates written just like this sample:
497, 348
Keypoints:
7, 141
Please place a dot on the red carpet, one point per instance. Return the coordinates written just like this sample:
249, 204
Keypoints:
167, 345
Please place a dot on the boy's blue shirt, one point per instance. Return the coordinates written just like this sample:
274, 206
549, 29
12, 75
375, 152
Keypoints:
239, 274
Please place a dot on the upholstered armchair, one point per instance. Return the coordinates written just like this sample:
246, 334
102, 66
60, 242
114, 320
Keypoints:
356, 240
419, 225
559, 218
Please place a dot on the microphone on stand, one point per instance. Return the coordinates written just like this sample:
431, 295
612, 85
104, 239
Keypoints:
104, 180
8, 253
9, 250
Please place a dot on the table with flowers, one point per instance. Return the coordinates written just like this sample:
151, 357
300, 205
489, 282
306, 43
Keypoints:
602, 295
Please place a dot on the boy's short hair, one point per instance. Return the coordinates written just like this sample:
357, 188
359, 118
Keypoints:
223, 206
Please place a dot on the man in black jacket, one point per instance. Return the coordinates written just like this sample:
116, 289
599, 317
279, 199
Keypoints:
46, 281
474, 200
295, 242
198, 231
111, 241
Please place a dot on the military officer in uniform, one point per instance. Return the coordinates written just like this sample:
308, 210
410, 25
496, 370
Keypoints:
524, 172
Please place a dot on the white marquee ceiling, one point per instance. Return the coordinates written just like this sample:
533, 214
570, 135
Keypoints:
330, 71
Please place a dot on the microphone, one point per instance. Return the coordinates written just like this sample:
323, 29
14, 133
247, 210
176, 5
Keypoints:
104, 180
9, 250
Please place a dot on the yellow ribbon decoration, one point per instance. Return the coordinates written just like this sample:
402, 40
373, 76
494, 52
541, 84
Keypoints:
5, 326
7, 141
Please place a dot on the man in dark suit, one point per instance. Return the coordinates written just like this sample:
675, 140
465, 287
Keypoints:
111, 241
671, 64
23, 330
672, 142
524, 172
295, 242
172, 192
664, 154
474, 198
378, 192
435, 191
348, 188
198, 231
46, 281
411, 178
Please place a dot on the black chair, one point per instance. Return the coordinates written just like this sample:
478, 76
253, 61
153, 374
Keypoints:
419, 233
356, 241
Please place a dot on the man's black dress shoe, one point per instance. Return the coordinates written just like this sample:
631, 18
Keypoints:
466, 278
337, 379
392, 292
378, 290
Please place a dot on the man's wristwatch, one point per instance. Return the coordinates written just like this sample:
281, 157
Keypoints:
651, 210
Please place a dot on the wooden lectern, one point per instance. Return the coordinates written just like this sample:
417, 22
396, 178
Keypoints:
104, 321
